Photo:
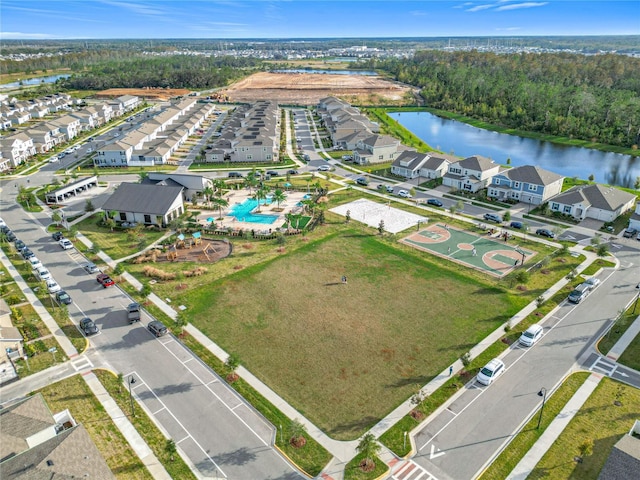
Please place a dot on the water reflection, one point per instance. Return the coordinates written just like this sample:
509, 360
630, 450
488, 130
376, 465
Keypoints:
465, 140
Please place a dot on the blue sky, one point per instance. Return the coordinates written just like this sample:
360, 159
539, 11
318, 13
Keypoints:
51, 19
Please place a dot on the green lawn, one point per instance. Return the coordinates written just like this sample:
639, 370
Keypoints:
600, 421
346, 355
631, 355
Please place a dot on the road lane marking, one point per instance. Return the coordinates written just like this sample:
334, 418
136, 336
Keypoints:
435, 454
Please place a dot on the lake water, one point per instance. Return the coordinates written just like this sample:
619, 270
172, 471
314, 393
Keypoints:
460, 139
34, 81
334, 72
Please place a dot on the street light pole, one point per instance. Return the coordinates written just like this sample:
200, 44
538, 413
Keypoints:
542, 393
131, 381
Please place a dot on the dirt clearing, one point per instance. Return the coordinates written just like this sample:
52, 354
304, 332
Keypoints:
308, 88
147, 93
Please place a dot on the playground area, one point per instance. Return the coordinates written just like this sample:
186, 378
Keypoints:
372, 213
189, 248
491, 254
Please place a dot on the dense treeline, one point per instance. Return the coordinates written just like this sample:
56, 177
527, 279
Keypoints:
177, 71
588, 97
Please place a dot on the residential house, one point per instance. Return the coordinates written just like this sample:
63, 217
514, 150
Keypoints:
376, 149
412, 164
623, 462
471, 174
598, 202
37, 444
146, 204
11, 344
527, 184
68, 125
17, 148
193, 185
634, 221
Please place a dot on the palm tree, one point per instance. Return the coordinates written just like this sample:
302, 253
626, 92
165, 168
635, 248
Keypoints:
208, 193
219, 185
369, 448
289, 219
261, 193
220, 203
279, 196
296, 432
251, 181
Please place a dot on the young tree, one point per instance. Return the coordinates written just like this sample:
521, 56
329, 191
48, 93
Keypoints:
347, 217
279, 196
232, 364
368, 447
507, 216
602, 250
296, 434
381, 227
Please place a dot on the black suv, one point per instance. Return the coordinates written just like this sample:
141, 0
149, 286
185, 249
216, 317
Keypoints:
543, 232
629, 233
57, 236
157, 328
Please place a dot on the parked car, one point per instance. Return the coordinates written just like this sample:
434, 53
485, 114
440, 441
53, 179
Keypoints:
292, 172
11, 237
157, 328
88, 327
272, 173
516, 225
629, 233
133, 312
27, 253
19, 244
105, 280
543, 232
593, 282
324, 168
235, 175
57, 236
579, 293
491, 371
35, 263
493, 217
53, 159
435, 202
52, 286
362, 181
531, 335
65, 243
63, 297
43, 274
90, 267
404, 194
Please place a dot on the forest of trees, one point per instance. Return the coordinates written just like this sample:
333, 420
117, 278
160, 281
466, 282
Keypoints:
594, 97
179, 71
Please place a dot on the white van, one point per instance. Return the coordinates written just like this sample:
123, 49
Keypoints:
531, 335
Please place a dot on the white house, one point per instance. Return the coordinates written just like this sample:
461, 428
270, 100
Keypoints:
376, 149
146, 204
528, 184
471, 174
593, 201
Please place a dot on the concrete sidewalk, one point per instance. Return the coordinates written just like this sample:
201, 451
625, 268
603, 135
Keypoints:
528, 463
623, 342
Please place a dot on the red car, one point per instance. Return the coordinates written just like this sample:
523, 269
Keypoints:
105, 280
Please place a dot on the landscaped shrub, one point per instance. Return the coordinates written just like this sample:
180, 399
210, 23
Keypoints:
157, 273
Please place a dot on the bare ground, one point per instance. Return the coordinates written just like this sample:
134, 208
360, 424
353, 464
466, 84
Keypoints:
148, 93
308, 88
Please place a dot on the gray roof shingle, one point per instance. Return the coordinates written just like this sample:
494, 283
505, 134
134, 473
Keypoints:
142, 198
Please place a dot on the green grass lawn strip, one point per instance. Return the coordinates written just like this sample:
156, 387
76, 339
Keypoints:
617, 331
600, 421
527, 437
631, 355
73, 393
176, 468
352, 470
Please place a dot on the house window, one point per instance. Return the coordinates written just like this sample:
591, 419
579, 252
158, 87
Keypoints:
249, 157
380, 157
555, 206
123, 216
567, 209
147, 219
497, 180
533, 187
516, 184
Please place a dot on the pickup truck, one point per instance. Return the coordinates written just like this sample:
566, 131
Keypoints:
105, 280
133, 312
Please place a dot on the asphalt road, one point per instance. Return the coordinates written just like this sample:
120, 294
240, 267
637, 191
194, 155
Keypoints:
221, 434
461, 441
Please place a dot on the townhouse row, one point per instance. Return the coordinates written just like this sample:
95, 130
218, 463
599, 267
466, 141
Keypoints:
157, 139
350, 130
250, 134
16, 148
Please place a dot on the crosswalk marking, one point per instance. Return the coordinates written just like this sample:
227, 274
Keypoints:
81, 363
409, 470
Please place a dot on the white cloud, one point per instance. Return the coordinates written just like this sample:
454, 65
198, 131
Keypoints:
139, 8
509, 29
515, 6
479, 8
22, 35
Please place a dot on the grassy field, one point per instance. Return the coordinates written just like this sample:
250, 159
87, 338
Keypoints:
74, 394
345, 355
614, 334
600, 421
631, 355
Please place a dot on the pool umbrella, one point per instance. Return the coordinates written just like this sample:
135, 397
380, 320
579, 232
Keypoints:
210, 219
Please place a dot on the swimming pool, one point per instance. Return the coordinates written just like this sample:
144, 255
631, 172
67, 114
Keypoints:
242, 212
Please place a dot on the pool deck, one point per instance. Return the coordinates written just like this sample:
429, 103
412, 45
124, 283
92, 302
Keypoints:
290, 205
